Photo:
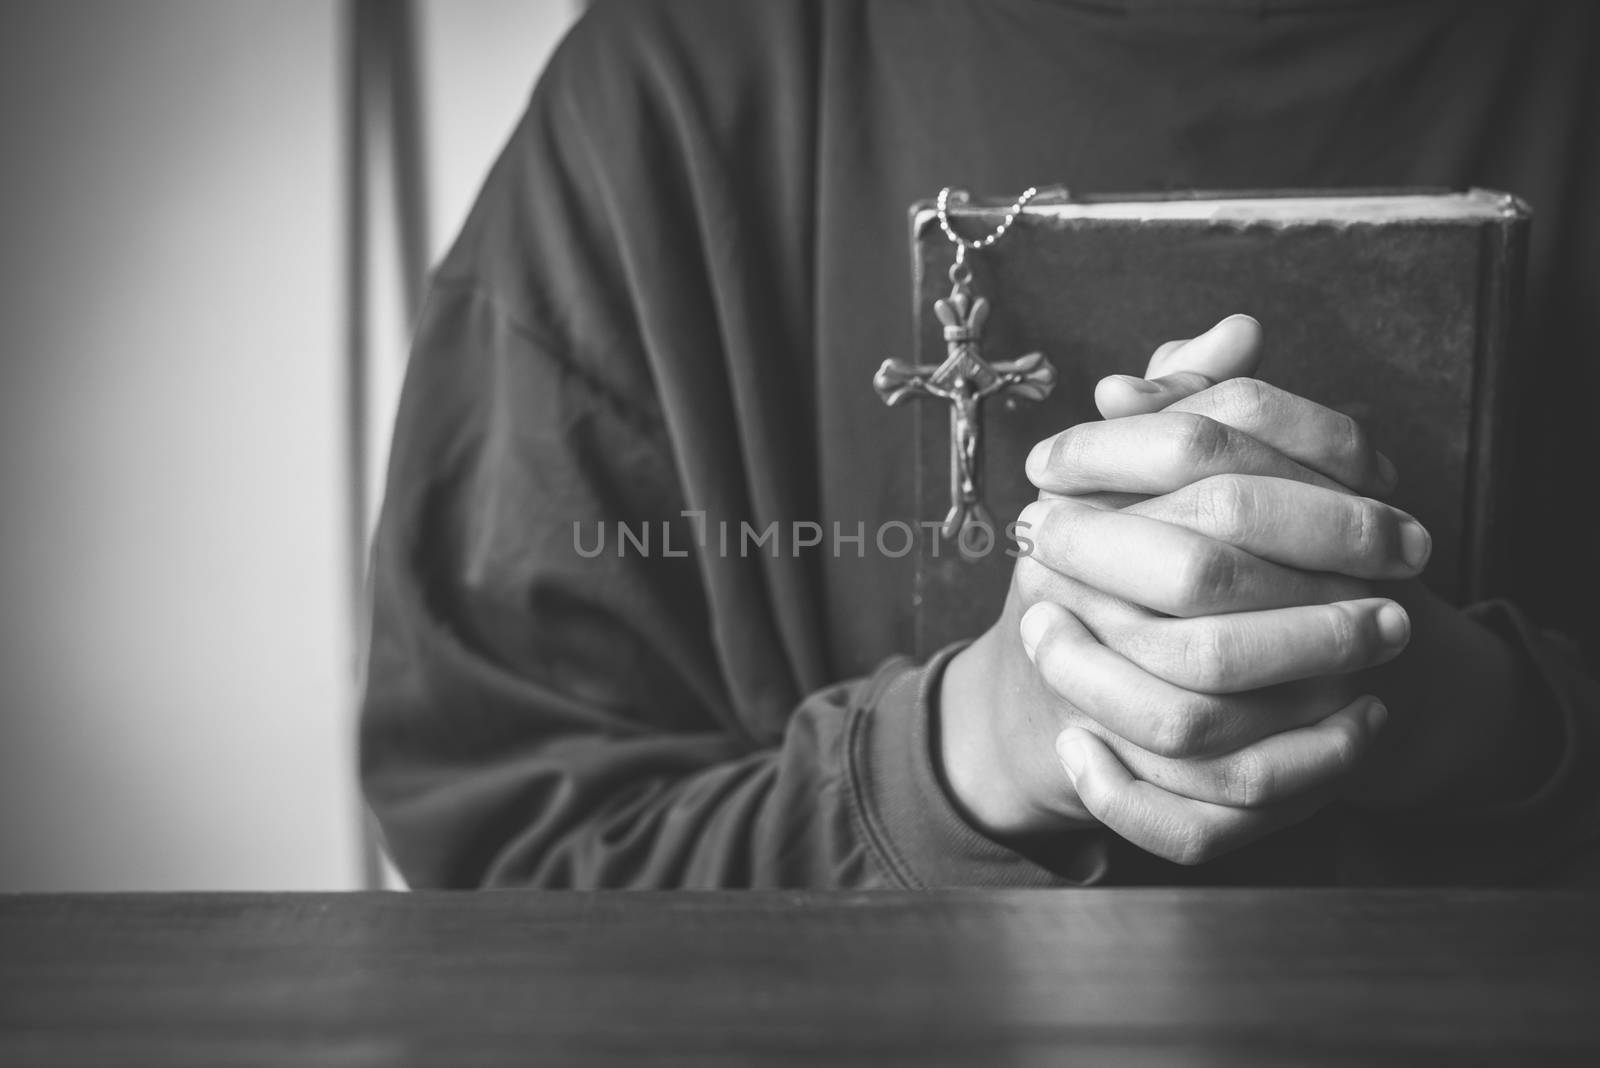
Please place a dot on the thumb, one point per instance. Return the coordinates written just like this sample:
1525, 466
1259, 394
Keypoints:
1179, 369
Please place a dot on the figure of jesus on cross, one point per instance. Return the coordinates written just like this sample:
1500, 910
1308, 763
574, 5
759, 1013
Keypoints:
963, 381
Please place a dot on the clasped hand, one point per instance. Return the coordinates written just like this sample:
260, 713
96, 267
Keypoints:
1186, 654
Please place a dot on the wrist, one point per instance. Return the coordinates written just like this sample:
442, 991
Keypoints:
974, 754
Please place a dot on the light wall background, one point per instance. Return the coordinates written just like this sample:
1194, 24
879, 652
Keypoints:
176, 655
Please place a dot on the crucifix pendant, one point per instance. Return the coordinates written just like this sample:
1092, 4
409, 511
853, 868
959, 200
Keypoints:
964, 381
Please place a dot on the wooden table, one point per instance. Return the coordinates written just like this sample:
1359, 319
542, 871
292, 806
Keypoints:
1085, 977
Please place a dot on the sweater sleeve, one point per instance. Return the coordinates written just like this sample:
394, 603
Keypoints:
542, 705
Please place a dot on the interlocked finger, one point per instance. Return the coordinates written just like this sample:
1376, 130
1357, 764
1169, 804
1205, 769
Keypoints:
1147, 710
1166, 567
1297, 525
1233, 652
1326, 441
1180, 829
1156, 453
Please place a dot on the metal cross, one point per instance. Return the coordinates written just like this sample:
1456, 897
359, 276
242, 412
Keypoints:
963, 381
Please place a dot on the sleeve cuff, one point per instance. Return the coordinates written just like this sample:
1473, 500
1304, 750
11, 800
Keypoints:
907, 817
1549, 832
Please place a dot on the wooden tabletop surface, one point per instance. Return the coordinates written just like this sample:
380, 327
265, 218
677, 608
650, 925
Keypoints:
1215, 977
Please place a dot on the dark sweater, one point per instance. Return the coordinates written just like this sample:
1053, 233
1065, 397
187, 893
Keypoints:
672, 295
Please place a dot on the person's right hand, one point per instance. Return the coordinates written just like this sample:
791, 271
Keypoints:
1194, 593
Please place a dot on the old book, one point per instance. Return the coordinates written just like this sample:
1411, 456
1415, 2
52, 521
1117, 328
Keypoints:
1396, 307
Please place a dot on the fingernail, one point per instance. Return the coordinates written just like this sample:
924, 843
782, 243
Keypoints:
1394, 626
1374, 715
1032, 517
1415, 543
1038, 461
1069, 748
1141, 385
1387, 473
1035, 621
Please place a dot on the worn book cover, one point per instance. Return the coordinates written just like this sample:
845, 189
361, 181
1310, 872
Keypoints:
1397, 307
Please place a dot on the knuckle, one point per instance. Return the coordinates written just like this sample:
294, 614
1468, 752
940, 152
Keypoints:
1203, 657
1344, 747
1247, 779
1199, 441
1172, 735
1224, 507
1349, 639
1205, 578
1186, 729
1244, 401
1354, 440
1364, 527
